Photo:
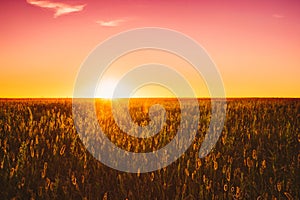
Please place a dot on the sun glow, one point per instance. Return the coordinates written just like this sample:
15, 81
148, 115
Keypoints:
106, 88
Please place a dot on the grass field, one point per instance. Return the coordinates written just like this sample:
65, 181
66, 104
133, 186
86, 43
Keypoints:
256, 157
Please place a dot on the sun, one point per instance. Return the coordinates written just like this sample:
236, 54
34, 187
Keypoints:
106, 88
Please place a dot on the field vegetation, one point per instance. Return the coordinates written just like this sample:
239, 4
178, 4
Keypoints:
256, 157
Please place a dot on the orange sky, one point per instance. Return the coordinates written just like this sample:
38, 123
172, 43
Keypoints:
255, 44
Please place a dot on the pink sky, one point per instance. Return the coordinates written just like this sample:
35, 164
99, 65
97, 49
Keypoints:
255, 44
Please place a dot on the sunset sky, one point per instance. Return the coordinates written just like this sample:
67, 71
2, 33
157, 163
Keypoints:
255, 44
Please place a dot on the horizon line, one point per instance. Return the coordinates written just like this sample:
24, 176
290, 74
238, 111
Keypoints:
235, 97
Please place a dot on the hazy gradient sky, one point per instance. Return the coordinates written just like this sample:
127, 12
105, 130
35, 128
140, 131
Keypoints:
255, 44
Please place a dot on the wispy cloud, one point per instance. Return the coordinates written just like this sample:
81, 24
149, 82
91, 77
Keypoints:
112, 23
58, 8
278, 16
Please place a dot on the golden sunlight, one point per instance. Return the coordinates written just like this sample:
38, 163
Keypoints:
152, 90
106, 88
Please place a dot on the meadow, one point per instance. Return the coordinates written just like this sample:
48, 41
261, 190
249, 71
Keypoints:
256, 157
